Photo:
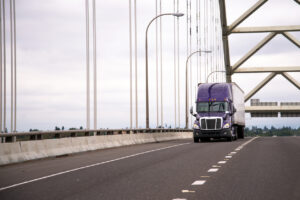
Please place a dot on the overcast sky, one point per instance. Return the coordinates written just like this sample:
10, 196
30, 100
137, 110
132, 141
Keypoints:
52, 72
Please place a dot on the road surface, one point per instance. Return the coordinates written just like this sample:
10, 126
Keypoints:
253, 168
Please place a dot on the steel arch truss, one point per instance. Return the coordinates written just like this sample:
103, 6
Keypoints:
273, 31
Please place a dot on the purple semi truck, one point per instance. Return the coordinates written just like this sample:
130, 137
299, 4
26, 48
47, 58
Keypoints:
220, 112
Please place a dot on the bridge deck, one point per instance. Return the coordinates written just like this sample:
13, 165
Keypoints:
265, 168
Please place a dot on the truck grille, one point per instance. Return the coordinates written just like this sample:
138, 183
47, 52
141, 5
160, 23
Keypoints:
203, 124
211, 123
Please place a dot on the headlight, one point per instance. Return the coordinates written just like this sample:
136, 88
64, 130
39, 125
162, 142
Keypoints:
226, 125
196, 126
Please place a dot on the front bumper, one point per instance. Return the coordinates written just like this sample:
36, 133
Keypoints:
223, 133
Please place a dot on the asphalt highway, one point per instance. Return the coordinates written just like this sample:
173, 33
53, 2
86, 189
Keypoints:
252, 168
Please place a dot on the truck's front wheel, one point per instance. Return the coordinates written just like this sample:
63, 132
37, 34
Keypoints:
196, 140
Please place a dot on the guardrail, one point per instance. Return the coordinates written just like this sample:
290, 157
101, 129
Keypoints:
40, 135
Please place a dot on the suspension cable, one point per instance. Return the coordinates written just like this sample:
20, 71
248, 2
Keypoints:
135, 64
4, 69
197, 37
130, 62
15, 66
174, 61
190, 50
12, 68
161, 66
187, 30
1, 67
178, 67
156, 62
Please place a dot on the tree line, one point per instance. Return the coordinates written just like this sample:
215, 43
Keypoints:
284, 131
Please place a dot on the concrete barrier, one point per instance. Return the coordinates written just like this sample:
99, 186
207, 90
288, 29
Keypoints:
79, 144
10, 153
58, 147
31, 150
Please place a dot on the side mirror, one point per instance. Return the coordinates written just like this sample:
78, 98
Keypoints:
192, 111
228, 113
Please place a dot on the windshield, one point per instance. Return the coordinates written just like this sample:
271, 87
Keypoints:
212, 106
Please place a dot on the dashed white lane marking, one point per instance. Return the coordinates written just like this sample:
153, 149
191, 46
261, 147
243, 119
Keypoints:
199, 182
188, 191
213, 170
204, 176
244, 144
216, 166
89, 166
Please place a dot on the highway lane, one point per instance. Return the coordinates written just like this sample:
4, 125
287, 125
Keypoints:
164, 171
268, 168
12, 174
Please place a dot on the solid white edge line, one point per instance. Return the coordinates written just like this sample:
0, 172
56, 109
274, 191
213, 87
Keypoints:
89, 166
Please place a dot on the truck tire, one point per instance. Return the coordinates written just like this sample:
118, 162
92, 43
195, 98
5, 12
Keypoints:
196, 140
230, 139
241, 132
235, 133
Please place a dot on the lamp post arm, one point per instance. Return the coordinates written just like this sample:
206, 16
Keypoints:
155, 19
150, 24
211, 74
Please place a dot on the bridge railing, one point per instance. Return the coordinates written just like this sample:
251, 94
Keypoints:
40, 135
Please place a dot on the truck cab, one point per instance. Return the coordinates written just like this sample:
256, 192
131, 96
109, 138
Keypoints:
220, 112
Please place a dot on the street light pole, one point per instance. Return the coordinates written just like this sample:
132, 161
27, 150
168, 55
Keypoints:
186, 85
146, 50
